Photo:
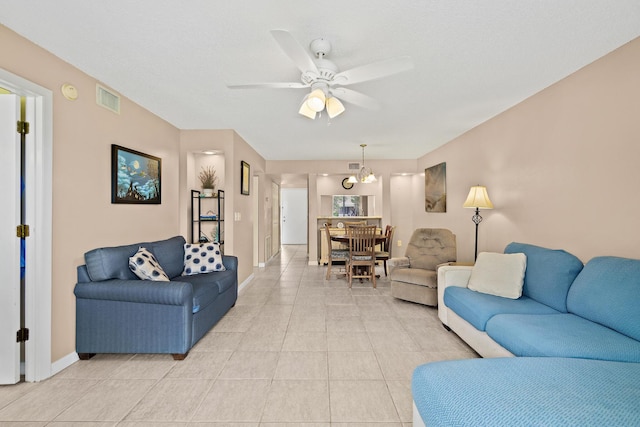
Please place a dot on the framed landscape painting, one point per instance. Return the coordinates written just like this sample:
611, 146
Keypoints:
435, 188
135, 177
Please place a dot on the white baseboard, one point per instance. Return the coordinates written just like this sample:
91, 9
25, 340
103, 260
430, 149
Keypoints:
245, 283
63, 363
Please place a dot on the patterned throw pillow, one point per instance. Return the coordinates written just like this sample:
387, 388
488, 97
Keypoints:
202, 258
146, 266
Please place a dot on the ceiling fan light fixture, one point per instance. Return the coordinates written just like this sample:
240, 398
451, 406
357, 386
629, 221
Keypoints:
306, 111
334, 107
315, 100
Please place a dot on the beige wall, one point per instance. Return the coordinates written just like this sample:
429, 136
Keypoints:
242, 244
83, 216
561, 167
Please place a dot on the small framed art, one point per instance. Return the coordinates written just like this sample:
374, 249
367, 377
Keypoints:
245, 178
136, 178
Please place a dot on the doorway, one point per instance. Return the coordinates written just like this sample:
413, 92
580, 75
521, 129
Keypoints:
38, 108
294, 216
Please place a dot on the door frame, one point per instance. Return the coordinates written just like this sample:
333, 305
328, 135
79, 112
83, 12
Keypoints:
38, 182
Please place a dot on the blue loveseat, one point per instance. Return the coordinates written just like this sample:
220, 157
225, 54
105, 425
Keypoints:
116, 312
575, 332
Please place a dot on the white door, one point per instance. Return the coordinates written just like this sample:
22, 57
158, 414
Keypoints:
294, 216
9, 243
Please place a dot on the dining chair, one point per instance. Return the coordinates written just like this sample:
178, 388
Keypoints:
362, 256
333, 255
386, 253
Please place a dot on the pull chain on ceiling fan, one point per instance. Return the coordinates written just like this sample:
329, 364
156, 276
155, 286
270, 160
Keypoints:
325, 80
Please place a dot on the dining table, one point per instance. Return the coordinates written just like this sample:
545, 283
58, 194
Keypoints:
344, 238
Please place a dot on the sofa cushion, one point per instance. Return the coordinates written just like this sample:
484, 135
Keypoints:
146, 266
113, 262
607, 291
170, 255
477, 308
416, 276
549, 274
429, 247
561, 335
205, 291
202, 258
499, 274
522, 391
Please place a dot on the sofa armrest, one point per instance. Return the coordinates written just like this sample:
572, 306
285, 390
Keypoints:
398, 262
230, 262
139, 291
450, 275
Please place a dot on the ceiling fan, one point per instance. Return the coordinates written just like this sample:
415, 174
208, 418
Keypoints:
325, 79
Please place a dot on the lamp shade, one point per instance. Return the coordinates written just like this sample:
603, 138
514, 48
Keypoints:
334, 107
478, 198
316, 99
305, 110
366, 176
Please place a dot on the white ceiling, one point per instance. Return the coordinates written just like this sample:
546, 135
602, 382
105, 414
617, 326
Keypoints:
473, 59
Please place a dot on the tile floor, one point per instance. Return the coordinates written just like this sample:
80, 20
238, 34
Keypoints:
296, 350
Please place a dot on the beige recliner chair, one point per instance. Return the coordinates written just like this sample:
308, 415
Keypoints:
414, 276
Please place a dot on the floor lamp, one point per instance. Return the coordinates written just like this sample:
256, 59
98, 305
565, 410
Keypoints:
477, 199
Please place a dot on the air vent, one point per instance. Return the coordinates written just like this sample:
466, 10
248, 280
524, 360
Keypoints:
107, 99
354, 166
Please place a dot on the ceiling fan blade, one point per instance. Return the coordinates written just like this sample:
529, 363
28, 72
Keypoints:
294, 50
374, 70
356, 98
277, 85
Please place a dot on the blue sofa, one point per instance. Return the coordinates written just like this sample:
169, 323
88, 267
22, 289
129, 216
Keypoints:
116, 312
575, 332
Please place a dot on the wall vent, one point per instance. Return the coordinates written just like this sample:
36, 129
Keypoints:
354, 166
107, 99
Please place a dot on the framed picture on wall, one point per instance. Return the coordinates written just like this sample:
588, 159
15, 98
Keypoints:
245, 177
136, 178
435, 188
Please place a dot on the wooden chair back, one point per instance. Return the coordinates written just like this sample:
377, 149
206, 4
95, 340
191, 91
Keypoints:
362, 252
333, 254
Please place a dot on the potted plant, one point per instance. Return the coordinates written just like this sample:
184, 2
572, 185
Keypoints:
208, 179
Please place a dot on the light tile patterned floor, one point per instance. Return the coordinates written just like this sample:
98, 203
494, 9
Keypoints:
296, 350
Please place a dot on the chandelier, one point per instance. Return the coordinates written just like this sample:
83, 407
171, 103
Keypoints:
365, 175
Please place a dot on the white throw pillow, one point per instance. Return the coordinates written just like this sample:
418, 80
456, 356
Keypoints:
146, 266
202, 258
499, 274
